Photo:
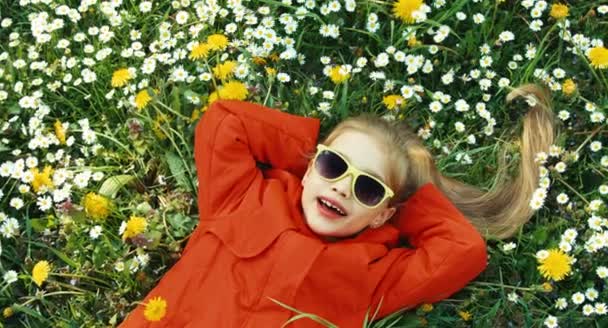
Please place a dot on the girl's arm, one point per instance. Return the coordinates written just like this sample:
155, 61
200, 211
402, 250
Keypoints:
448, 253
232, 136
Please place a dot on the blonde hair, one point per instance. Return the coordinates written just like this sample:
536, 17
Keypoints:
497, 212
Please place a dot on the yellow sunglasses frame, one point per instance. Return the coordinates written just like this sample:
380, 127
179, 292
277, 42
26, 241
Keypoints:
355, 173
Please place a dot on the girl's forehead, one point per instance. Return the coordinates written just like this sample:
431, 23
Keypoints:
363, 151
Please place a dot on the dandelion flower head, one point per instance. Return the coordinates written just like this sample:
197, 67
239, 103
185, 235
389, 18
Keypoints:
555, 266
155, 309
404, 9
41, 272
121, 77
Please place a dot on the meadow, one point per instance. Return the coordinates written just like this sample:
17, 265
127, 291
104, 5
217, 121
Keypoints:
99, 100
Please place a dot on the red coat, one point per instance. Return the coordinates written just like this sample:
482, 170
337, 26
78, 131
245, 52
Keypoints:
252, 242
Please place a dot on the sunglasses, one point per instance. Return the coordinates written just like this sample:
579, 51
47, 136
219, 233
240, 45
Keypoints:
369, 191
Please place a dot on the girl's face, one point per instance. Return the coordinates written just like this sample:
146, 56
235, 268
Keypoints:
366, 154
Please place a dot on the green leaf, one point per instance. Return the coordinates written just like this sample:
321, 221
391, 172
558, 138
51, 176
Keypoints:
110, 187
176, 165
181, 224
38, 224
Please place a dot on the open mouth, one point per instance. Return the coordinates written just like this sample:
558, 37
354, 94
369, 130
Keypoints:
328, 208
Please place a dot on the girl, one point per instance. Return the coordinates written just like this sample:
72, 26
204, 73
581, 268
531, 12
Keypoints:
318, 230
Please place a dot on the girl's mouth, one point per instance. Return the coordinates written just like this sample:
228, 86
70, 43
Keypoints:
328, 210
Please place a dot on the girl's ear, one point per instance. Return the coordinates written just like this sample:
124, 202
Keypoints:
385, 215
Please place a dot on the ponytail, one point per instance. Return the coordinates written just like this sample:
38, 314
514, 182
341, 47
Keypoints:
497, 212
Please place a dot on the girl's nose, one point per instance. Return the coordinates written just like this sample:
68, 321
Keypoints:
342, 186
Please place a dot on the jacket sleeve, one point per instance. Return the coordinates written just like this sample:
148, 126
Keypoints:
448, 252
232, 136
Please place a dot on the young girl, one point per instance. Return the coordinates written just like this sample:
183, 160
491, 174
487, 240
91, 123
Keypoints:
318, 230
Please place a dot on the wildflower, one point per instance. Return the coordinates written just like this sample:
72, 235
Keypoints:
404, 9
134, 227
96, 206
547, 287
338, 74
465, 315
602, 272
217, 42
60, 132
224, 70
155, 309
41, 272
578, 298
232, 90
426, 307
201, 50
599, 57
591, 294
555, 266
561, 303
508, 247
142, 99
513, 297
568, 87
559, 11
10, 276
7, 312
120, 77
42, 178
600, 308
588, 309
393, 101
551, 322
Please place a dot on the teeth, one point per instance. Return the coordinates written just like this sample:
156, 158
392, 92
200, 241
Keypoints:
332, 206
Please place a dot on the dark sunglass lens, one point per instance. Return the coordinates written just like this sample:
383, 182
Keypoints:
368, 190
330, 165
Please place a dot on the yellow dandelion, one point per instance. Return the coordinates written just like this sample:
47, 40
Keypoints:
213, 97
271, 71
135, 226
7, 312
547, 287
199, 51
217, 41
426, 307
404, 9
568, 87
41, 272
393, 101
196, 113
274, 57
60, 132
559, 11
120, 77
338, 74
412, 41
233, 90
224, 70
42, 178
96, 206
556, 265
155, 309
142, 99
465, 315
156, 126
259, 61
599, 57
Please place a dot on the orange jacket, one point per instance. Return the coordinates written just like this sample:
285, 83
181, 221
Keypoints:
252, 242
